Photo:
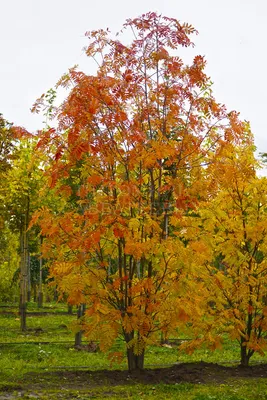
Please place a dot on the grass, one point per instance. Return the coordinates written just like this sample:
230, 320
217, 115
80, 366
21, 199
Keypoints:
181, 391
23, 353
195, 392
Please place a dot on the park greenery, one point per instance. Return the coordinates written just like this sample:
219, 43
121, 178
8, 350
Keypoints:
139, 204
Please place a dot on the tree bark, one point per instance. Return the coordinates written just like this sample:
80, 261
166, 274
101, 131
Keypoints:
40, 291
244, 357
24, 259
55, 297
22, 312
78, 335
28, 275
135, 361
245, 353
70, 309
34, 292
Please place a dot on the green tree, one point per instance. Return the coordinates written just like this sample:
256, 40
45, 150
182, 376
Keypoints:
9, 261
20, 199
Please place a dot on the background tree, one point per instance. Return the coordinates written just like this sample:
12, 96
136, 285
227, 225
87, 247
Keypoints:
9, 241
9, 261
231, 236
8, 141
20, 199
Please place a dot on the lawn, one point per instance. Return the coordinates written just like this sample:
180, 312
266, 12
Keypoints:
43, 363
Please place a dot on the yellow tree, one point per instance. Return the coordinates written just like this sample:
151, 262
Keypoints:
230, 231
8, 240
128, 153
19, 197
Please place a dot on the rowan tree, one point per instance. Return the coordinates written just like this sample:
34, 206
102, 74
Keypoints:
129, 152
230, 233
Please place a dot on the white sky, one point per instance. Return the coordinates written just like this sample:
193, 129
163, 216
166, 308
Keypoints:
41, 39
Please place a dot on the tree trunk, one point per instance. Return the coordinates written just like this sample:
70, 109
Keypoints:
55, 297
24, 259
40, 299
163, 338
40, 291
23, 287
22, 312
34, 292
28, 277
135, 361
70, 309
78, 335
244, 356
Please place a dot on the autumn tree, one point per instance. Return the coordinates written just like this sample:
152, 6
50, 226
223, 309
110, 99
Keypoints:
8, 241
230, 233
20, 198
9, 261
131, 145
8, 142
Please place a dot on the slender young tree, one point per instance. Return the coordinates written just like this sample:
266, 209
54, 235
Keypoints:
20, 199
8, 239
131, 144
230, 233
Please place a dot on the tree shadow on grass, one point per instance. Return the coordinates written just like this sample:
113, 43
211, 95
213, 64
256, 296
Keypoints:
201, 373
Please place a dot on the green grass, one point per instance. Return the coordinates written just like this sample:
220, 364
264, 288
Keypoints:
18, 360
53, 307
55, 326
186, 391
181, 391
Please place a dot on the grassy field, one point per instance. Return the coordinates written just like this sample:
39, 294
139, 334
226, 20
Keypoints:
43, 363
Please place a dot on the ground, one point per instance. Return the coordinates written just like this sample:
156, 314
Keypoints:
43, 363
190, 372
105, 384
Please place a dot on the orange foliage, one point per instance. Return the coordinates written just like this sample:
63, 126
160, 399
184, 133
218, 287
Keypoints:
139, 133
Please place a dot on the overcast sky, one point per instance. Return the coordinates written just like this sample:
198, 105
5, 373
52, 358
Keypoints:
41, 39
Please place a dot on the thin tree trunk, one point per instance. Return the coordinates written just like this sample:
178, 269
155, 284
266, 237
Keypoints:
78, 335
40, 291
34, 292
24, 257
70, 309
28, 276
244, 356
55, 297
